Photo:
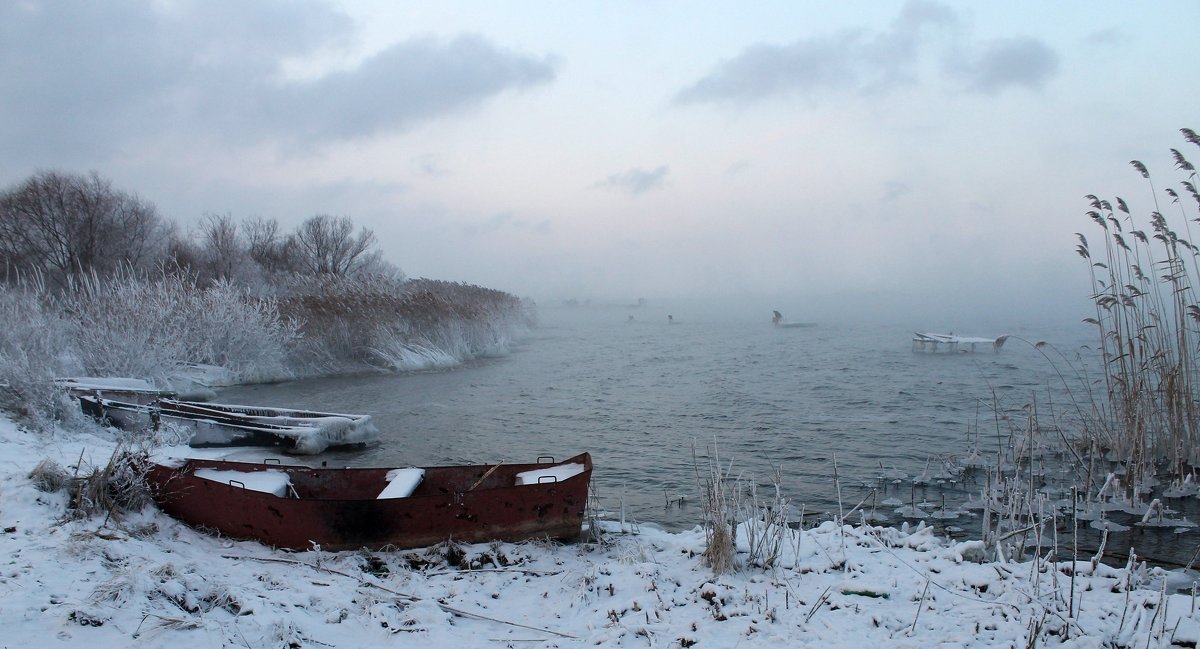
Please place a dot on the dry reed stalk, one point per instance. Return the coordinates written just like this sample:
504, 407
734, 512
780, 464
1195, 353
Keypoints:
720, 509
1147, 316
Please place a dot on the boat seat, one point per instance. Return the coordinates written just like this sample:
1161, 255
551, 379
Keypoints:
269, 481
556, 473
401, 483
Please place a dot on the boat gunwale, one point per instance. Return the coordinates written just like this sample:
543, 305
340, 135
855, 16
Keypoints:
187, 471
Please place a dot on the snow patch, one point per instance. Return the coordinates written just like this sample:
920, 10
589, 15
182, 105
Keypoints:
551, 474
268, 481
401, 483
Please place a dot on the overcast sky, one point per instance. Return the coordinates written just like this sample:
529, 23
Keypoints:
808, 154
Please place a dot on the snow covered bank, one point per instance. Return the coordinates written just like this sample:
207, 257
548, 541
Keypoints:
149, 580
178, 335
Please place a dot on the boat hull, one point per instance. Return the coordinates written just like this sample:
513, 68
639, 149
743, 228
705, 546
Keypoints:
337, 509
209, 425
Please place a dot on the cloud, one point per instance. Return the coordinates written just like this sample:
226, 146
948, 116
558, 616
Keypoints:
409, 82
766, 70
894, 189
86, 80
1024, 62
636, 181
866, 63
504, 221
852, 61
428, 165
1108, 37
738, 167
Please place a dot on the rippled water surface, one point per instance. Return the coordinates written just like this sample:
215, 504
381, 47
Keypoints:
641, 395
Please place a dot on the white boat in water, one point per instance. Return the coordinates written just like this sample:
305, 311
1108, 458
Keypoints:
931, 342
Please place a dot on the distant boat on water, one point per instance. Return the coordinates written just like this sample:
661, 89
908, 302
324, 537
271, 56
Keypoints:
930, 342
778, 321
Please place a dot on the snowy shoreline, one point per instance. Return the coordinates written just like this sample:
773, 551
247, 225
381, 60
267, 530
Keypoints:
151, 580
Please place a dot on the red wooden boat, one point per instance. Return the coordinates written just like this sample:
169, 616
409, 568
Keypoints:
301, 508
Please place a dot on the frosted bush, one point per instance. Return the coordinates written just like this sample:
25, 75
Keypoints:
143, 327
146, 327
34, 349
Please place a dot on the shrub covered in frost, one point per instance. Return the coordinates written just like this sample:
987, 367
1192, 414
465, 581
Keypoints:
144, 327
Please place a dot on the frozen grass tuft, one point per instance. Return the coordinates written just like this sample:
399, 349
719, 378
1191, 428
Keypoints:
721, 503
49, 476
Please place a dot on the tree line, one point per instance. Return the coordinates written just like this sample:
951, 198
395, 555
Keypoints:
95, 282
62, 226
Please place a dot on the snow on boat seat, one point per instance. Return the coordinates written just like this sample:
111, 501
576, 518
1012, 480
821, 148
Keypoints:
551, 474
401, 483
268, 481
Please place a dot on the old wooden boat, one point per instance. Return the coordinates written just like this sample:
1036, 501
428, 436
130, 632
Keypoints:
304, 508
216, 425
128, 390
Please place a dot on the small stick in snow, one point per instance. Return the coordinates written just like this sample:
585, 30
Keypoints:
820, 600
414, 598
919, 607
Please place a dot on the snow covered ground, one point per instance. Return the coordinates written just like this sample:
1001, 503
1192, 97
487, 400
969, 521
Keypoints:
149, 581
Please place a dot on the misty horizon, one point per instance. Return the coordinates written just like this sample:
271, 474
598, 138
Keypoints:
919, 162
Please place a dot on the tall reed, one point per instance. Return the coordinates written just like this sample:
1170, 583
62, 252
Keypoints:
1147, 318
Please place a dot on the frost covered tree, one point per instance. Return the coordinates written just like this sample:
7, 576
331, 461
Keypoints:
327, 245
218, 249
224, 252
267, 246
222, 248
62, 225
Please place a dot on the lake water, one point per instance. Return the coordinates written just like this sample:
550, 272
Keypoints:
641, 396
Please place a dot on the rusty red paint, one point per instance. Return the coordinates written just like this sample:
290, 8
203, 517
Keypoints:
337, 509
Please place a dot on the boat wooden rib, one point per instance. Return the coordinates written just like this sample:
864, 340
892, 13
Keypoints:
304, 508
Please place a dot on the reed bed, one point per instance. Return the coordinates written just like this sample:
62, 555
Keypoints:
1147, 319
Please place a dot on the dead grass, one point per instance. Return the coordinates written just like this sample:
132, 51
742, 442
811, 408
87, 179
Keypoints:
1147, 317
720, 513
115, 489
49, 476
